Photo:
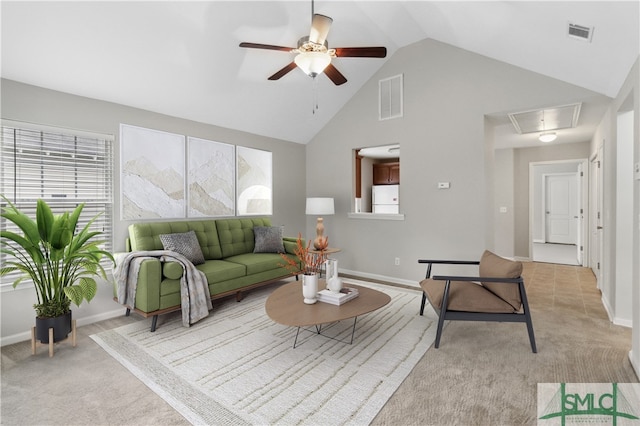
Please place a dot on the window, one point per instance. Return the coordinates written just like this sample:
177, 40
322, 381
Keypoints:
63, 167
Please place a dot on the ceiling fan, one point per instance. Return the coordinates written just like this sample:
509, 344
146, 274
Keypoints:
313, 55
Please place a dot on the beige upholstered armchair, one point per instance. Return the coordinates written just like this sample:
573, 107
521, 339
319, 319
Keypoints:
496, 294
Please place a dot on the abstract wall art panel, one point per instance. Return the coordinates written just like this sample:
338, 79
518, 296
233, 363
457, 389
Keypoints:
152, 174
254, 182
211, 178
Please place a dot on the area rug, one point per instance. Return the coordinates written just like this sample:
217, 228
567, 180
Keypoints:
239, 367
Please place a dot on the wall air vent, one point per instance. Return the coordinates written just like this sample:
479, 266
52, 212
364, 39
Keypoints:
390, 97
580, 32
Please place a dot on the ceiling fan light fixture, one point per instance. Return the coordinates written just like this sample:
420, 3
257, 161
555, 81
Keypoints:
547, 137
312, 63
320, 26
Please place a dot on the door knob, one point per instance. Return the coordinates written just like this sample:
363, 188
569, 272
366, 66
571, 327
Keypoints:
598, 227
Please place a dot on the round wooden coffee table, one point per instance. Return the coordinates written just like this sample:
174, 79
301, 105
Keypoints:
285, 306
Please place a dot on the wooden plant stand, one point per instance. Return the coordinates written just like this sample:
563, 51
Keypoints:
51, 343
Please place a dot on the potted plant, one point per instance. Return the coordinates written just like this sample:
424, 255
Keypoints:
60, 261
308, 264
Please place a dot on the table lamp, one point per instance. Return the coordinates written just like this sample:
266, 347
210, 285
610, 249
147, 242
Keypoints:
320, 206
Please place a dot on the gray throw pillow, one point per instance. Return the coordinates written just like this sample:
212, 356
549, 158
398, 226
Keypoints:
268, 239
185, 243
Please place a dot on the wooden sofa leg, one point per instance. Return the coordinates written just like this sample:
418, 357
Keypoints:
239, 296
154, 323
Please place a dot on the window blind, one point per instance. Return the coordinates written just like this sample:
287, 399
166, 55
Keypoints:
62, 167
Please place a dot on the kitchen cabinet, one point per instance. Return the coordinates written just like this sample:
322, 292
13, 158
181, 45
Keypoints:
386, 173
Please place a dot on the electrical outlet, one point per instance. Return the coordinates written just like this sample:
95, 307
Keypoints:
397, 261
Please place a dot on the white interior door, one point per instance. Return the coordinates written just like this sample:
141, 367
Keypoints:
561, 208
579, 224
595, 217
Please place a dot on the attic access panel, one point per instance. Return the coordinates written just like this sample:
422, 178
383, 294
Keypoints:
555, 118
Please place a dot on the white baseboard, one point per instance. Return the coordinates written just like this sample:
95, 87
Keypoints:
636, 367
623, 322
607, 308
394, 280
535, 240
615, 320
21, 337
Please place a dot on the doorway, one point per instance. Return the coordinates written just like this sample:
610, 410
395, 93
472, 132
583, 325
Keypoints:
557, 211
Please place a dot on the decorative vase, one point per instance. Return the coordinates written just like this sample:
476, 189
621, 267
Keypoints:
334, 283
61, 327
310, 288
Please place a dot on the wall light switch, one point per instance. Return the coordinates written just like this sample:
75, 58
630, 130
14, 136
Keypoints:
443, 185
636, 171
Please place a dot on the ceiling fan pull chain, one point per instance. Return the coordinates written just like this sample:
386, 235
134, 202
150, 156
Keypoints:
315, 95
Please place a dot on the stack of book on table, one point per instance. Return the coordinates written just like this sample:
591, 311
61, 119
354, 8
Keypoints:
346, 294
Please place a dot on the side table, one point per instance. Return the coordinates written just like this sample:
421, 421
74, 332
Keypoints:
324, 254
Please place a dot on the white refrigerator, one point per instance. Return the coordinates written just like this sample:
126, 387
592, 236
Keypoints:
385, 198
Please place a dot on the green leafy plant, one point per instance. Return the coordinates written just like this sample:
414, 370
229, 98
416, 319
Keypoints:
61, 262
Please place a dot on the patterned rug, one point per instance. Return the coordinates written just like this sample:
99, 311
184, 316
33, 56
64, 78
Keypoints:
239, 367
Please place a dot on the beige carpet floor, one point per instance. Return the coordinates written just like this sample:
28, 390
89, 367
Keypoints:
483, 373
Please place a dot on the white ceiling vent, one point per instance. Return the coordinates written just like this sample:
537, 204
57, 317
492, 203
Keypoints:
580, 32
390, 97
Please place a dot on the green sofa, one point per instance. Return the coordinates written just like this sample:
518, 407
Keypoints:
230, 264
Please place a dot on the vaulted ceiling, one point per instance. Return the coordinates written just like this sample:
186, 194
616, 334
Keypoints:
183, 59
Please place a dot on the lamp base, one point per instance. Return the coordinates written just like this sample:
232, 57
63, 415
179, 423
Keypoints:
321, 243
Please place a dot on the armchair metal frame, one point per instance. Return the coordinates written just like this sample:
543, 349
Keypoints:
444, 314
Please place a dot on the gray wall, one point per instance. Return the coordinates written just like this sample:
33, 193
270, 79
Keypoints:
504, 221
443, 137
36, 105
615, 291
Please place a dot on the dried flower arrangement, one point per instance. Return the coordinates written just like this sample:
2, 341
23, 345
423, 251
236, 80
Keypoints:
307, 263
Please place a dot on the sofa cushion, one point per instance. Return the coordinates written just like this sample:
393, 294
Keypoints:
465, 296
268, 239
492, 265
258, 262
236, 235
146, 235
220, 270
172, 270
185, 243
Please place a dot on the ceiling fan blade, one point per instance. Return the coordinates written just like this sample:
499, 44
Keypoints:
335, 75
266, 46
361, 52
320, 26
283, 71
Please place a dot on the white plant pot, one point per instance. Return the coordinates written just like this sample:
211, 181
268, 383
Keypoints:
310, 288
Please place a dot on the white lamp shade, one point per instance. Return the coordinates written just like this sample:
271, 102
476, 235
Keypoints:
320, 25
320, 206
312, 63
